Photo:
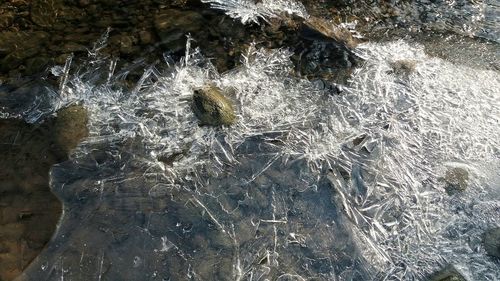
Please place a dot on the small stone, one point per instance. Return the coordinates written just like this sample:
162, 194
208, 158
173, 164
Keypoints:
61, 59
84, 3
126, 44
212, 107
6, 19
72, 47
491, 241
403, 67
456, 180
71, 127
45, 12
145, 37
448, 273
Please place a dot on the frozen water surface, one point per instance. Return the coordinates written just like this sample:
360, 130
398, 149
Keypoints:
305, 186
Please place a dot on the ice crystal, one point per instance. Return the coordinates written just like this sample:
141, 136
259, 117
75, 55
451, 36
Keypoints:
251, 11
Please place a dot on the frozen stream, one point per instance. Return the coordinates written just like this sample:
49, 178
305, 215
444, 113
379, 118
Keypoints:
309, 184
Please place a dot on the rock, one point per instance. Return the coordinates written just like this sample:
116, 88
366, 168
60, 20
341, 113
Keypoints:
6, 19
491, 242
36, 65
320, 29
403, 67
212, 107
24, 43
72, 47
61, 59
322, 49
126, 44
70, 127
456, 180
45, 12
146, 37
448, 273
172, 26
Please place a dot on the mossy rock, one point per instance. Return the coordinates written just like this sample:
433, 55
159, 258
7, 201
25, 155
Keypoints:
70, 127
491, 242
212, 107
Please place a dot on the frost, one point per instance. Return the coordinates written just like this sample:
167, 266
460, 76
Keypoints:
251, 11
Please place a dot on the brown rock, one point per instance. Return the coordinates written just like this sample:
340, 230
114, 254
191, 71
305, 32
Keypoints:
6, 18
212, 107
45, 12
70, 127
173, 25
146, 37
328, 30
36, 65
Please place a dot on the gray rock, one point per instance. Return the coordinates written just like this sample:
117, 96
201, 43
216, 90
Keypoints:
456, 180
491, 242
448, 273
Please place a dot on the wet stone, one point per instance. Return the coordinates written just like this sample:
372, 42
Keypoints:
45, 12
491, 241
448, 273
403, 67
36, 65
71, 127
173, 25
212, 107
321, 29
6, 18
456, 180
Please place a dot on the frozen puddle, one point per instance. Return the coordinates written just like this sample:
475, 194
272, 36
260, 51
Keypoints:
306, 186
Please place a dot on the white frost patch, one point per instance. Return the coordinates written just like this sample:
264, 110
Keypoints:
441, 115
249, 11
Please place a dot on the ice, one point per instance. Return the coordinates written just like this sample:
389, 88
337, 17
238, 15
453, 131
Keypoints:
249, 11
306, 184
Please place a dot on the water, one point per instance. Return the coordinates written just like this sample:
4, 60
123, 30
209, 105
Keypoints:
307, 185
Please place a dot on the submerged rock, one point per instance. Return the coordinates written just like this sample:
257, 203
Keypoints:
448, 273
456, 180
70, 127
172, 26
45, 12
491, 241
212, 107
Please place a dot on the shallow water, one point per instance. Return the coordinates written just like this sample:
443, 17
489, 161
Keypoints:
309, 184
